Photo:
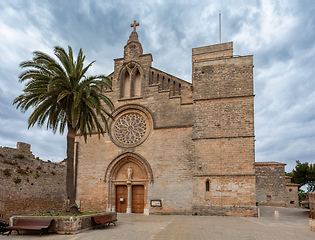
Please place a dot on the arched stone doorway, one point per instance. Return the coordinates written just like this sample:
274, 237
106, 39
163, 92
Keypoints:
128, 178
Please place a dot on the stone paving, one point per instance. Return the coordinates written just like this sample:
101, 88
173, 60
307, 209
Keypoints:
292, 224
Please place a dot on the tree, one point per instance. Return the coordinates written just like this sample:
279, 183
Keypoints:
64, 97
304, 174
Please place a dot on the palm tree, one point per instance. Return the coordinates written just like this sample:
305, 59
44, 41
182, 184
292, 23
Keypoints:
63, 96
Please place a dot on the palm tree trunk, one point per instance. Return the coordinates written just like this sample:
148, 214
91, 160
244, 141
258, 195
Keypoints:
70, 169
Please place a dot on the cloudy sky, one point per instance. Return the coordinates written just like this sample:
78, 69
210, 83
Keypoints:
279, 33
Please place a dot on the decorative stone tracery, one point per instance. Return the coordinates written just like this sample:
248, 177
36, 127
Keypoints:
130, 78
131, 127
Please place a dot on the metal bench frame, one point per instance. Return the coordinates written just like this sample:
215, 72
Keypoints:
104, 219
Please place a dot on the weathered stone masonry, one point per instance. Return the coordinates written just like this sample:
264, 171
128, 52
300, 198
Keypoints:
273, 188
190, 145
29, 185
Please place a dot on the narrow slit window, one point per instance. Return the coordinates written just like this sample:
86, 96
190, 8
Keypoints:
207, 186
174, 88
126, 85
137, 84
152, 78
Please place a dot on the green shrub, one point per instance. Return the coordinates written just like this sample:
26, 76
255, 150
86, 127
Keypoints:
53, 173
37, 158
17, 180
19, 155
36, 176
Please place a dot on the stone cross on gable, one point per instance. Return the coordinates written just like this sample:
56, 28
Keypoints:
134, 25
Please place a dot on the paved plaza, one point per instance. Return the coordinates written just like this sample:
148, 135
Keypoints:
292, 225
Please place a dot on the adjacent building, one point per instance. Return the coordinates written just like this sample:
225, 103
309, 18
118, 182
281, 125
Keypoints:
273, 188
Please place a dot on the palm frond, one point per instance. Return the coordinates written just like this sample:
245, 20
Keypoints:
62, 95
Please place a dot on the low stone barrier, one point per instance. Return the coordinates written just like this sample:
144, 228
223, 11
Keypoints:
67, 225
312, 224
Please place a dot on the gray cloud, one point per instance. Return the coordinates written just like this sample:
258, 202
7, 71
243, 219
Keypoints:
280, 34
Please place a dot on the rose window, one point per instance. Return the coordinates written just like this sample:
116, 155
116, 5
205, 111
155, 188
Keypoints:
130, 128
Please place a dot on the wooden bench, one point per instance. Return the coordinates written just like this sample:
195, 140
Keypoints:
104, 219
30, 224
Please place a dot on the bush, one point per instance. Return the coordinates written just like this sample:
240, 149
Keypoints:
19, 155
17, 180
36, 176
53, 173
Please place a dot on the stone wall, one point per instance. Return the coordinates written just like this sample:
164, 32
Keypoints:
270, 183
291, 192
311, 197
273, 188
29, 185
223, 131
168, 157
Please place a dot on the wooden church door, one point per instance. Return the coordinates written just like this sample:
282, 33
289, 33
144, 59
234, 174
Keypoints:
137, 199
121, 198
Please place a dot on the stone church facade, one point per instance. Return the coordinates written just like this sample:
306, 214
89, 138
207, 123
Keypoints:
174, 147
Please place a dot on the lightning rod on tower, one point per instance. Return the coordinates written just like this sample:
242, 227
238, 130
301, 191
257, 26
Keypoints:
220, 25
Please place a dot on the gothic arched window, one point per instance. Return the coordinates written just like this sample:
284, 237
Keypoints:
126, 85
131, 80
137, 84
